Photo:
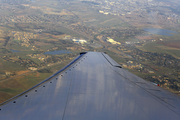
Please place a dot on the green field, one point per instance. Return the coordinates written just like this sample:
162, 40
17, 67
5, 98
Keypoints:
68, 31
101, 20
10, 66
159, 48
18, 47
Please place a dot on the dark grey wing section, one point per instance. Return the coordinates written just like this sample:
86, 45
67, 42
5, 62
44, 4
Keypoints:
92, 87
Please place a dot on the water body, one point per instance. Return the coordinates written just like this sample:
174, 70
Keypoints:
15, 51
57, 52
160, 31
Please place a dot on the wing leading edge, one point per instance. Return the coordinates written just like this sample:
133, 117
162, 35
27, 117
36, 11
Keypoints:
93, 87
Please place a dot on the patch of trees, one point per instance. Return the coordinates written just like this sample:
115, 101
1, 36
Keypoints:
6, 40
53, 32
45, 70
62, 18
29, 25
174, 87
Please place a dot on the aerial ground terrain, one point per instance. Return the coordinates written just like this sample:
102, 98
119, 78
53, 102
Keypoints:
39, 37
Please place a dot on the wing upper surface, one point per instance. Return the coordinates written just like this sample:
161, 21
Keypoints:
93, 88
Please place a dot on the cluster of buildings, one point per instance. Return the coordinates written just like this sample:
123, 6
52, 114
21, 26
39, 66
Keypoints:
81, 41
110, 40
132, 7
23, 37
106, 12
131, 65
32, 68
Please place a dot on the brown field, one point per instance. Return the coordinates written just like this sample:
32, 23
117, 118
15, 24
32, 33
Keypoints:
107, 21
36, 43
4, 96
55, 36
37, 75
144, 37
58, 36
14, 86
51, 39
22, 72
2, 39
40, 37
65, 12
173, 44
167, 48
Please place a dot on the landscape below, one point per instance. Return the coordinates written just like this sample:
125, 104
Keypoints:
38, 38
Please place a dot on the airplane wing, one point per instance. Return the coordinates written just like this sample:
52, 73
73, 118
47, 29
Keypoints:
93, 87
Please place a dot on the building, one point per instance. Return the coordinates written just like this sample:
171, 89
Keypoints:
100, 11
79, 41
32, 68
112, 41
